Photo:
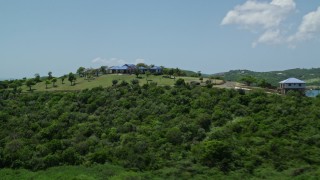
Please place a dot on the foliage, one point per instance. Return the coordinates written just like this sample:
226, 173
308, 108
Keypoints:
37, 78
72, 78
54, 80
47, 83
30, 83
248, 80
150, 131
81, 71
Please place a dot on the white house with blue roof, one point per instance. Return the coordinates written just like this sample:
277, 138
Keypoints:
131, 68
292, 84
125, 69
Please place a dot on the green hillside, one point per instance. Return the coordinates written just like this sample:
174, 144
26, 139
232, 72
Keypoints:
311, 76
106, 81
147, 132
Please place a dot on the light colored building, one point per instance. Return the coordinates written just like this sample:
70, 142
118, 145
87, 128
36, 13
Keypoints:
292, 84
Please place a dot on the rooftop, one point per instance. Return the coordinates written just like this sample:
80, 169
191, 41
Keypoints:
292, 80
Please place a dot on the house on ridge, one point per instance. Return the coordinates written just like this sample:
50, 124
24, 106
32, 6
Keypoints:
156, 69
292, 84
125, 69
131, 68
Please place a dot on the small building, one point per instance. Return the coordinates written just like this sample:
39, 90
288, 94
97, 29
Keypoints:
292, 84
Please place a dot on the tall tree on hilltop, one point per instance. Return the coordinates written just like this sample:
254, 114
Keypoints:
80, 71
248, 80
103, 69
30, 83
137, 72
49, 75
71, 78
37, 77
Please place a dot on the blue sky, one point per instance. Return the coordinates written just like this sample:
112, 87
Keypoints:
38, 36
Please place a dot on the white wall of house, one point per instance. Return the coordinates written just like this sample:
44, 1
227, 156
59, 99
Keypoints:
293, 85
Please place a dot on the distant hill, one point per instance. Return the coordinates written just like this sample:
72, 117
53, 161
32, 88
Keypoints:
311, 76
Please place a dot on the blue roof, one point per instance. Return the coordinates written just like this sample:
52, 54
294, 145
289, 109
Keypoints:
130, 65
156, 67
292, 80
119, 68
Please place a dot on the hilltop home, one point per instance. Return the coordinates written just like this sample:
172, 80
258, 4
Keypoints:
125, 69
131, 68
292, 84
156, 69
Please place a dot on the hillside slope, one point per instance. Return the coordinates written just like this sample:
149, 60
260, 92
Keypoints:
171, 132
311, 76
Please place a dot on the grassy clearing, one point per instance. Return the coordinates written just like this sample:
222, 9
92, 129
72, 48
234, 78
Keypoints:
106, 81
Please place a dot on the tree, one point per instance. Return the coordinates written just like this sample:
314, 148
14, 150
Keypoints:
30, 83
199, 74
201, 79
37, 78
134, 81
171, 72
96, 72
103, 69
80, 71
15, 85
142, 65
137, 72
180, 82
47, 83
248, 80
72, 78
209, 83
175, 75
114, 82
264, 84
63, 78
50, 75
54, 80
148, 73
214, 153
178, 72
165, 71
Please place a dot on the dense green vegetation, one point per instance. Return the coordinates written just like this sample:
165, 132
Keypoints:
155, 131
311, 76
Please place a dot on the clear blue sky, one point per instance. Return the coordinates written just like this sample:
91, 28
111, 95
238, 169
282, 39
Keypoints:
38, 36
